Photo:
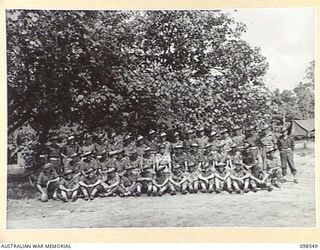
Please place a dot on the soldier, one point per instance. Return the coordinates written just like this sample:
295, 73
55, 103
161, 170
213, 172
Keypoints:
189, 140
71, 148
222, 178
258, 177
176, 140
205, 157
110, 181
273, 167
206, 178
193, 166
128, 145
179, 157
128, 181
90, 183
100, 147
178, 181
238, 139
226, 139
251, 137
54, 155
48, 183
145, 176
69, 186
87, 162
163, 140
213, 140
72, 163
88, 145
149, 159
163, 159
286, 148
160, 182
114, 143
240, 178
266, 140
202, 139
140, 146
152, 141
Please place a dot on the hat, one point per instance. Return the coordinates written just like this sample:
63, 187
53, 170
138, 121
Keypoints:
47, 166
178, 146
71, 138
54, 137
74, 155
250, 128
90, 170
87, 153
69, 171
265, 127
151, 132
100, 136
189, 131
271, 149
208, 145
113, 152
177, 166
191, 164
162, 146
233, 145
99, 156
251, 148
221, 164
140, 137
206, 165
200, 129
224, 131
160, 168
194, 145
237, 127
283, 130
163, 134
213, 133
176, 133
127, 137
147, 149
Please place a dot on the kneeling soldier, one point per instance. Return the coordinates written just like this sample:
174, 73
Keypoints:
177, 180
90, 183
222, 178
160, 182
48, 183
240, 178
206, 178
69, 186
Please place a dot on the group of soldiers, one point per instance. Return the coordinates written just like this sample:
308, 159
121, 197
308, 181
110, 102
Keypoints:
195, 160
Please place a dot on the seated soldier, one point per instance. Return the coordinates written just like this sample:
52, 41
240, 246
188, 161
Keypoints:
90, 183
222, 178
48, 183
110, 182
160, 182
69, 186
205, 158
162, 158
178, 181
128, 181
273, 167
240, 178
206, 178
120, 161
193, 165
179, 157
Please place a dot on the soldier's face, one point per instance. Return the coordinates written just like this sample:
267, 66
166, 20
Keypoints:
162, 150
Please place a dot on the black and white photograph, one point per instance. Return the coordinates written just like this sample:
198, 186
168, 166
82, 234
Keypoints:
160, 118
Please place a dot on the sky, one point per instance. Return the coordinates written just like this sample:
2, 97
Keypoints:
286, 38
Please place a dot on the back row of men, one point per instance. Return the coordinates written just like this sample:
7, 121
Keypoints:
155, 166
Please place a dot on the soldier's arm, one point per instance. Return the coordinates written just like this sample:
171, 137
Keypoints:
218, 176
81, 183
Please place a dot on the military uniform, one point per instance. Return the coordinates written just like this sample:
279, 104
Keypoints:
69, 186
111, 183
178, 181
273, 167
206, 178
48, 182
160, 183
128, 182
193, 171
240, 178
222, 178
54, 157
163, 160
144, 180
90, 183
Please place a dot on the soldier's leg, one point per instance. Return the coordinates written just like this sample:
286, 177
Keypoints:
228, 185
253, 185
292, 166
235, 185
217, 182
203, 186
139, 188
94, 192
163, 189
184, 187
195, 186
85, 193
149, 188
64, 196
246, 185
211, 184
74, 195
154, 190
133, 189
172, 189
190, 187
283, 159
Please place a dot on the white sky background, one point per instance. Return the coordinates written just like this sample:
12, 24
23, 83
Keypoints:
286, 38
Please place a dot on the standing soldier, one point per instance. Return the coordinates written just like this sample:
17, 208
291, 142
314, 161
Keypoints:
71, 148
152, 141
189, 140
140, 146
222, 178
213, 140
163, 159
100, 147
239, 137
176, 140
202, 139
226, 139
163, 140
48, 183
128, 145
114, 143
54, 155
266, 141
251, 137
88, 145
286, 148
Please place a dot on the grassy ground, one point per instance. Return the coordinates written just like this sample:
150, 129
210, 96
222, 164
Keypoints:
291, 206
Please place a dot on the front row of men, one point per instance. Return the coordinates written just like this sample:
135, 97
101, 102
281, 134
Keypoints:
129, 174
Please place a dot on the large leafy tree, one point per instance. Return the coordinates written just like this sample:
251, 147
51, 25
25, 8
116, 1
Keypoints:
131, 69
